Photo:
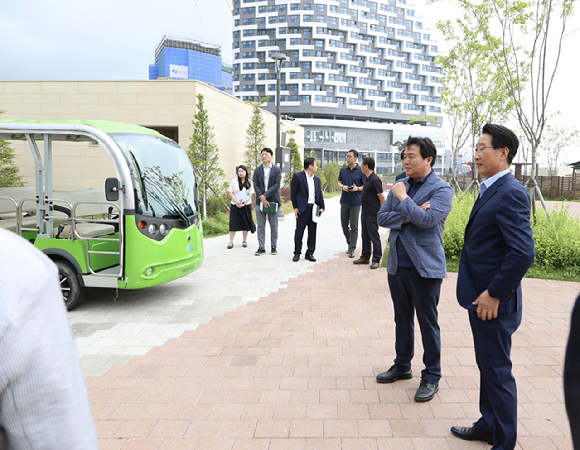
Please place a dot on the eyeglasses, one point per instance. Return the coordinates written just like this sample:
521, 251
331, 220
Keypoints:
481, 149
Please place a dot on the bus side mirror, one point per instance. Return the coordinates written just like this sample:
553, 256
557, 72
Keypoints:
112, 189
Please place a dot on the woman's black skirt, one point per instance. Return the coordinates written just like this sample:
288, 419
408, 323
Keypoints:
241, 219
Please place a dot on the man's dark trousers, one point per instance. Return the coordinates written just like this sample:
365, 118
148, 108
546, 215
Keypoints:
411, 292
370, 234
304, 220
349, 216
492, 341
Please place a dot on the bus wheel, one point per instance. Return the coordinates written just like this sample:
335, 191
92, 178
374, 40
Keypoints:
73, 293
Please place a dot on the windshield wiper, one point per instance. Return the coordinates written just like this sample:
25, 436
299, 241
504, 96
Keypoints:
142, 181
161, 196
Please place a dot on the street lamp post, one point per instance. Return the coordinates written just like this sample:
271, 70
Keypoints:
278, 58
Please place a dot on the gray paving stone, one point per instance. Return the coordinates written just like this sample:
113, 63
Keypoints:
109, 328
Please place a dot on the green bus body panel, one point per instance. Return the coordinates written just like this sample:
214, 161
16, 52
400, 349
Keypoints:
171, 258
78, 251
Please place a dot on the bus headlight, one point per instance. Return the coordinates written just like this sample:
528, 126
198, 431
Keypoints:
152, 229
163, 229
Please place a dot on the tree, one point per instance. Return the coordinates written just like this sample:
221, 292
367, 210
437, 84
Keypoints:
330, 172
9, 176
473, 93
523, 42
555, 144
204, 155
255, 136
296, 163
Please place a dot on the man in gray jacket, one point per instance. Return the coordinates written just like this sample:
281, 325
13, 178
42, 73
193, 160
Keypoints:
415, 211
267, 179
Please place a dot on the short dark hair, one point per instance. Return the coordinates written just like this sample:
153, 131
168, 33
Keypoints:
308, 162
426, 147
502, 137
369, 162
269, 150
354, 152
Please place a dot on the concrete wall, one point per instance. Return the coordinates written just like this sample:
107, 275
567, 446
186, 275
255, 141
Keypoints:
150, 103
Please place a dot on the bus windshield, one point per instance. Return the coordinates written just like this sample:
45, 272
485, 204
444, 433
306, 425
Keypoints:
162, 174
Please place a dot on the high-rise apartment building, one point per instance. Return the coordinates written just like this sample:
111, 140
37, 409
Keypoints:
356, 72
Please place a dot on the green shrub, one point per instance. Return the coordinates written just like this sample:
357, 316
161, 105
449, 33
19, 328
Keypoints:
217, 205
455, 226
216, 225
557, 242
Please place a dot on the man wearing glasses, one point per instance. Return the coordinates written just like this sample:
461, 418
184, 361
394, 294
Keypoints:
350, 182
498, 251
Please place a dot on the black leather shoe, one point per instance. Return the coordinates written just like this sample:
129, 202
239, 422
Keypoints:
394, 374
260, 251
296, 258
472, 434
310, 258
426, 391
351, 253
274, 250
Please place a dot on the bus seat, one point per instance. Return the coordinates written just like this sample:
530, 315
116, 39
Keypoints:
86, 230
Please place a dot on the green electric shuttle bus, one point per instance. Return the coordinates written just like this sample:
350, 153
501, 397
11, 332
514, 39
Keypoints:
113, 205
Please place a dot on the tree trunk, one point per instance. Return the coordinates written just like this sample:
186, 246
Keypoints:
204, 203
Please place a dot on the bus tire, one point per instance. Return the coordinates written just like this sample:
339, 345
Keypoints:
73, 293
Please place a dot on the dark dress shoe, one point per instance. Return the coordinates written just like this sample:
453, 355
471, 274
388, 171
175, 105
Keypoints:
426, 391
310, 258
472, 434
296, 258
394, 374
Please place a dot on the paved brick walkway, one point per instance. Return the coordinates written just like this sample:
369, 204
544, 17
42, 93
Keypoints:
295, 370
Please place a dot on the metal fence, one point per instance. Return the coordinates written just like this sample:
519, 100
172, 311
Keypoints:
567, 187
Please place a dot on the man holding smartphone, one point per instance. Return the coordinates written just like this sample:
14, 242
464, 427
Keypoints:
350, 182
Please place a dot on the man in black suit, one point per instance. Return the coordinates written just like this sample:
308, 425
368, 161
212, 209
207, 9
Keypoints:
498, 250
267, 179
572, 376
306, 194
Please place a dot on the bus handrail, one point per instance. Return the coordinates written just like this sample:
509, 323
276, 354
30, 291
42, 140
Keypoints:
118, 221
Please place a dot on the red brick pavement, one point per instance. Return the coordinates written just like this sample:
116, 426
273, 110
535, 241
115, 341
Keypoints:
296, 370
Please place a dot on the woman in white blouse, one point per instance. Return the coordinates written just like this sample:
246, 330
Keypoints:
241, 192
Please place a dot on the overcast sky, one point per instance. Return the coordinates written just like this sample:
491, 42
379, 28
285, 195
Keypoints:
116, 39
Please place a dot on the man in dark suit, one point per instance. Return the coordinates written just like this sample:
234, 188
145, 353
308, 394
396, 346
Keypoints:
572, 376
497, 252
306, 194
267, 179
